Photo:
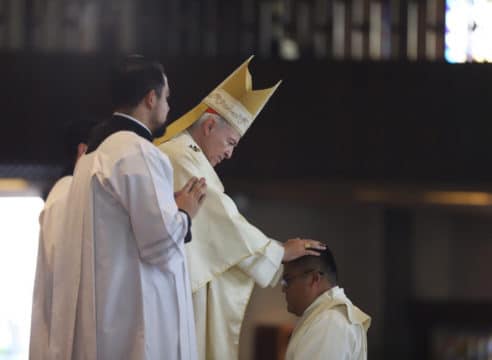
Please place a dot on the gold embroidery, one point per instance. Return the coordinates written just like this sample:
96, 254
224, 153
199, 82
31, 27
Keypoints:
194, 148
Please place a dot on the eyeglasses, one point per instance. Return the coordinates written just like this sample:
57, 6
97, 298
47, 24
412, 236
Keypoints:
287, 281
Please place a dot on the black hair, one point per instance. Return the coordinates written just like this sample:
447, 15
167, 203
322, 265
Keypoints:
325, 262
133, 78
75, 132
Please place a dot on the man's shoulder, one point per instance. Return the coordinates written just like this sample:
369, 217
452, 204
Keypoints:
328, 316
331, 323
124, 143
336, 315
182, 150
124, 148
124, 137
176, 147
58, 191
61, 186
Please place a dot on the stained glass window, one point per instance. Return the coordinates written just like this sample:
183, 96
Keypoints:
468, 31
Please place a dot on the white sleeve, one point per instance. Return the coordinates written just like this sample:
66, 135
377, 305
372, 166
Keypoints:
143, 183
265, 268
327, 338
226, 230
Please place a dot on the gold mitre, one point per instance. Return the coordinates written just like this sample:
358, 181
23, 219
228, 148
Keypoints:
234, 99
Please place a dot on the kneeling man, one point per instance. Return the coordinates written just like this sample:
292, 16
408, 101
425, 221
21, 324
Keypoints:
330, 326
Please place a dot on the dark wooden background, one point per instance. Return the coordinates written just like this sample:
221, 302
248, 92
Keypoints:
400, 122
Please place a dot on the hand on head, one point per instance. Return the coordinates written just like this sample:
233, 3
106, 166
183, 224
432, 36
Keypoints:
307, 277
295, 248
191, 196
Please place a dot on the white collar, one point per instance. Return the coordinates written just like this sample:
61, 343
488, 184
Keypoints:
331, 293
116, 113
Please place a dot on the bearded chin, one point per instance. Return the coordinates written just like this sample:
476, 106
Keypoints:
160, 131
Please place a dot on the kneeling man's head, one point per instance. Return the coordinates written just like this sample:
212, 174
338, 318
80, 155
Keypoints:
306, 278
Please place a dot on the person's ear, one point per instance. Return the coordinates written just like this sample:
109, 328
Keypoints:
81, 149
208, 125
316, 278
150, 99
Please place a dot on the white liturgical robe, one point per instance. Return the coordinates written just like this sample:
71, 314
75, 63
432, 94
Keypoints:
49, 218
226, 257
331, 328
120, 285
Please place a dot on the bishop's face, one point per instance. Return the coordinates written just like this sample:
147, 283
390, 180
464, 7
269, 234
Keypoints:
219, 142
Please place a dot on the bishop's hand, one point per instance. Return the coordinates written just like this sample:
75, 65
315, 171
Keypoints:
295, 248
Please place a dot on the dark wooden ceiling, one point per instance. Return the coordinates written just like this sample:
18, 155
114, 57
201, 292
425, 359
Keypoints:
400, 122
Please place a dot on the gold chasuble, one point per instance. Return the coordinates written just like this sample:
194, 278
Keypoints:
227, 254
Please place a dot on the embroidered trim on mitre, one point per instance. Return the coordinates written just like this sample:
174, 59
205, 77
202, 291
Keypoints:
231, 109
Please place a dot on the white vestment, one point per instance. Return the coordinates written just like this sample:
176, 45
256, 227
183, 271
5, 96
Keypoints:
50, 229
120, 285
226, 257
331, 328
